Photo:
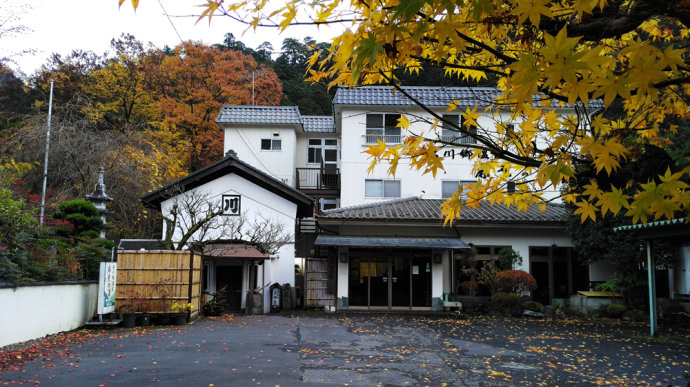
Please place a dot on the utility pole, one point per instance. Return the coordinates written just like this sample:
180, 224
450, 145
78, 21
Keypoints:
45, 162
254, 74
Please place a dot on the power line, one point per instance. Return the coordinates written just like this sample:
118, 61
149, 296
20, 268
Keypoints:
171, 23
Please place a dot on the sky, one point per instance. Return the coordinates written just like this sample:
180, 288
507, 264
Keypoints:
65, 25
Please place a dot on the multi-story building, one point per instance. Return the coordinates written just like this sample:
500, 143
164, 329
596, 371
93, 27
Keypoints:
381, 241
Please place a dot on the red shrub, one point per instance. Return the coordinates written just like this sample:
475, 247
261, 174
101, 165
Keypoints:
515, 281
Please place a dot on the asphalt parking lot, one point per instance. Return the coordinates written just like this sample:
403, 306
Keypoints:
355, 350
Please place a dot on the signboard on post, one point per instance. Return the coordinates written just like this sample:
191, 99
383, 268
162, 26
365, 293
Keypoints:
106, 287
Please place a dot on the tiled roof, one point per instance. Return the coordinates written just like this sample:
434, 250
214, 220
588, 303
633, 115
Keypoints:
140, 244
430, 96
236, 114
241, 250
230, 164
415, 209
433, 96
318, 124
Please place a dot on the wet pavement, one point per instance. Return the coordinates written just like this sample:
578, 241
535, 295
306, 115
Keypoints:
356, 350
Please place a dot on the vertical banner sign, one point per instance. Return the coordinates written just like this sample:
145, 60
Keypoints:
106, 287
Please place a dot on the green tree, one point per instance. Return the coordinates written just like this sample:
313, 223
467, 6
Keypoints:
80, 229
292, 69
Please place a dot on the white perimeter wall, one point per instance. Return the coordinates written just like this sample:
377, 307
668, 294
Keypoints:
31, 312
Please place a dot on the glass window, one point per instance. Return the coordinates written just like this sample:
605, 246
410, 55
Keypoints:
382, 126
314, 155
382, 188
450, 133
448, 187
270, 144
450, 130
391, 188
373, 188
321, 149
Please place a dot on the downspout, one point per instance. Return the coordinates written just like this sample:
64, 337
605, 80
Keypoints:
651, 279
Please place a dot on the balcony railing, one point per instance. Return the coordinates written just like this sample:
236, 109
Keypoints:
459, 140
373, 139
318, 178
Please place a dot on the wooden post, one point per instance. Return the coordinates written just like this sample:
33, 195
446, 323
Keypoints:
191, 274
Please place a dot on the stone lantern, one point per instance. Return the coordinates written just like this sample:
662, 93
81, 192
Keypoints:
99, 199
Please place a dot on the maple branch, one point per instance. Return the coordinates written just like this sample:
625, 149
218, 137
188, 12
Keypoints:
501, 153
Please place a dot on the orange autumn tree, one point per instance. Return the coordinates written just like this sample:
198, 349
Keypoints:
631, 55
195, 81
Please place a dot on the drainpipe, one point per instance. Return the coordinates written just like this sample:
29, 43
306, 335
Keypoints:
651, 279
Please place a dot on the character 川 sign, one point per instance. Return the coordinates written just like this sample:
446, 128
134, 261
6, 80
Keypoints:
231, 205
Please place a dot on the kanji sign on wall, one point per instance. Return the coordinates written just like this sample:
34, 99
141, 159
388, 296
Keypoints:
231, 204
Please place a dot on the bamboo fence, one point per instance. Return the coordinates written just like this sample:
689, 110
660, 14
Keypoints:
150, 281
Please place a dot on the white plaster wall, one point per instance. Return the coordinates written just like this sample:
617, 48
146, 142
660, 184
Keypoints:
354, 163
256, 203
343, 277
519, 238
41, 310
246, 142
280, 269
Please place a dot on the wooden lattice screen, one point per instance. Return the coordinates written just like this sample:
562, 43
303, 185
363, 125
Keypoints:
316, 284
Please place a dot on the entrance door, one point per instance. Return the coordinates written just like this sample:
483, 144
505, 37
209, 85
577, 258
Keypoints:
230, 276
540, 272
400, 281
551, 268
386, 281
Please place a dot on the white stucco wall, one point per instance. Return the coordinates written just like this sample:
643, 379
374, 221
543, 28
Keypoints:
256, 203
246, 142
31, 312
519, 238
354, 163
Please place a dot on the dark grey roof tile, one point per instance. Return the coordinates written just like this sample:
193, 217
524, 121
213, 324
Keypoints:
433, 96
428, 210
237, 114
318, 124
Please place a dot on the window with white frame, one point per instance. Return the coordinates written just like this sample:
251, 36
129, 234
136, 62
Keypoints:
383, 127
450, 133
380, 188
273, 144
322, 149
448, 187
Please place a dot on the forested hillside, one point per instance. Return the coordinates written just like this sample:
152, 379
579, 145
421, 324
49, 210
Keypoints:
146, 114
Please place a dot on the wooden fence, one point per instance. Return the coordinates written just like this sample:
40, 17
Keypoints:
150, 281
316, 284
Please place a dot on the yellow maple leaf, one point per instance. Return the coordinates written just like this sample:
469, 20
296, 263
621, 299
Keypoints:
586, 210
209, 8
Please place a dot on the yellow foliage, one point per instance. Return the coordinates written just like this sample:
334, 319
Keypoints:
551, 61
